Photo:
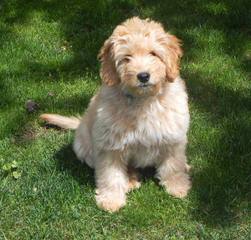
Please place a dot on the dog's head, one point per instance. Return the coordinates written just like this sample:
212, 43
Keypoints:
140, 56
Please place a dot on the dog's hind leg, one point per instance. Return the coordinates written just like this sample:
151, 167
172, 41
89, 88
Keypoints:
82, 145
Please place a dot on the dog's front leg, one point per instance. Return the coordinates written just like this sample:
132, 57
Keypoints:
173, 171
112, 181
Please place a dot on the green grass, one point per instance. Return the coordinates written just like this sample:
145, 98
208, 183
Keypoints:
48, 54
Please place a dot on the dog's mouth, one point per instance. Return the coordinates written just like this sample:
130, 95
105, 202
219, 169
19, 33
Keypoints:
145, 85
141, 90
147, 89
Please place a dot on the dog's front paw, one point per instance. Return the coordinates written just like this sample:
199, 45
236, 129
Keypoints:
110, 201
177, 185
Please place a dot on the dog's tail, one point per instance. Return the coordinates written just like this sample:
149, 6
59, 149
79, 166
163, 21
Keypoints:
61, 121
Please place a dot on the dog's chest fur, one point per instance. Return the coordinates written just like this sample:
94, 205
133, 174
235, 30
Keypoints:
141, 129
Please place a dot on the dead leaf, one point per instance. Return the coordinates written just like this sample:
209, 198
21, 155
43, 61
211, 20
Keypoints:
31, 106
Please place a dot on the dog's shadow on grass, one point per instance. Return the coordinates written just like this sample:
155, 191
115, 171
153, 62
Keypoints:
84, 175
68, 162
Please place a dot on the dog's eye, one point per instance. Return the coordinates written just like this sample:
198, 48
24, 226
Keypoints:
126, 59
153, 54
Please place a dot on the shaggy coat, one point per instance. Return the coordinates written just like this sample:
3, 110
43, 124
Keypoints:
139, 117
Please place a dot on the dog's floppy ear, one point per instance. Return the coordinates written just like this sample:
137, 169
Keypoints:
108, 71
172, 57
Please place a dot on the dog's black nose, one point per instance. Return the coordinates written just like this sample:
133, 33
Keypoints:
143, 77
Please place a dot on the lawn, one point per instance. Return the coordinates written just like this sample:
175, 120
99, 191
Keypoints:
48, 52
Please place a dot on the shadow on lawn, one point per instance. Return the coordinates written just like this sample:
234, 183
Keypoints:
224, 184
68, 162
84, 24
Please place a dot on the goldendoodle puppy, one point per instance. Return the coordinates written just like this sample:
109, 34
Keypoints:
138, 118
